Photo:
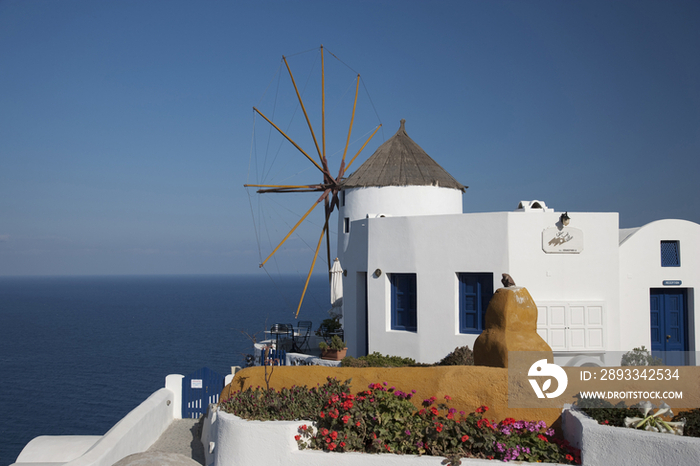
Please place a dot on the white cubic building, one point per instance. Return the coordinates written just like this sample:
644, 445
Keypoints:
419, 273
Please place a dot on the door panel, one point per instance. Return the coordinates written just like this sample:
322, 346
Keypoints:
668, 324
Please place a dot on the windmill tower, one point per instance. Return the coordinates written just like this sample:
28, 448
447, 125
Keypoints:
399, 179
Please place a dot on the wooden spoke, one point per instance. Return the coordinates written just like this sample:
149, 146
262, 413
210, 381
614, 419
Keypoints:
289, 139
325, 194
306, 115
313, 263
352, 119
280, 186
344, 169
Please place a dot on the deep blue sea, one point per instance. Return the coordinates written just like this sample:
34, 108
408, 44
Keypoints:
78, 353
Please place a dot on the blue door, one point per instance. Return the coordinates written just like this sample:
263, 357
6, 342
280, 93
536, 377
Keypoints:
200, 389
669, 325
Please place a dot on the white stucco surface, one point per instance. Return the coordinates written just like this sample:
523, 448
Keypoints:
592, 293
252, 443
606, 445
137, 431
640, 270
581, 285
395, 201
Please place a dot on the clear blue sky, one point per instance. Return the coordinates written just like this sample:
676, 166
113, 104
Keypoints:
125, 127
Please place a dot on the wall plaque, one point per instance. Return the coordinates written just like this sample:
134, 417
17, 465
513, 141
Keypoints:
672, 283
564, 240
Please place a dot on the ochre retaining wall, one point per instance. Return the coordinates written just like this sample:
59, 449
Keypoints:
468, 386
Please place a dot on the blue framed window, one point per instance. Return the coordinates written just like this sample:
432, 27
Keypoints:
403, 301
670, 254
475, 292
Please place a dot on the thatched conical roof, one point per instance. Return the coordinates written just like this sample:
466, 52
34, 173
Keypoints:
401, 162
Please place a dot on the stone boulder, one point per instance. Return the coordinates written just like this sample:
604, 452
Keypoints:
510, 325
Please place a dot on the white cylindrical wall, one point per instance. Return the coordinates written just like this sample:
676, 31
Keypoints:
393, 201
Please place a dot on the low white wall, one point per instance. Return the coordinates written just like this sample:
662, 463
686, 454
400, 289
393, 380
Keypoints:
135, 433
605, 445
252, 443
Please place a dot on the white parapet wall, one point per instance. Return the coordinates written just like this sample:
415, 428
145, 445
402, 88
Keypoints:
230, 440
135, 433
605, 445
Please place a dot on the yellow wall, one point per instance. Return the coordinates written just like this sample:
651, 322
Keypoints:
468, 386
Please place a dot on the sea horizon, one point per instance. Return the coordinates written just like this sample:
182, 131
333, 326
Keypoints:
80, 352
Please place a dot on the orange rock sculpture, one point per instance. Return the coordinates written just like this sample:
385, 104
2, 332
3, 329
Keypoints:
510, 325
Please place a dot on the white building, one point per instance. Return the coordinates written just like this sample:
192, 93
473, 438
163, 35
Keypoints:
419, 273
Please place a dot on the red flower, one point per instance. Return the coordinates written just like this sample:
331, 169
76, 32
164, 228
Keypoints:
342, 444
438, 427
450, 416
334, 435
465, 438
434, 410
324, 431
357, 423
346, 419
304, 427
322, 414
297, 437
447, 397
569, 458
542, 437
482, 409
483, 422
332, 446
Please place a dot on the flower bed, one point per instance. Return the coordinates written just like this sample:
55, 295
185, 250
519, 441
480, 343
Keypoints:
383, 420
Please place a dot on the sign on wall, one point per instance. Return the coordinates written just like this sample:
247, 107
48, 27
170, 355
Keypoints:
564, 240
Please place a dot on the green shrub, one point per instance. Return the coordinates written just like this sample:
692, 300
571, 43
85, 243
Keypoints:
461, 356
377, 360
640, 357
336, 344
383, 420
605, 412
287, 404
327, 327
692, 422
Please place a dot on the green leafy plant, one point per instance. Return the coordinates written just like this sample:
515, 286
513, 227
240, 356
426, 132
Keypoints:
377, 360
382, 419
328, 327
692, 422
640, 357
461, 356
293, 403
605, 412
336, 343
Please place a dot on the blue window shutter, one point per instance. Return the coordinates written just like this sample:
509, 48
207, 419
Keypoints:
475, 292
670, 254
403, 301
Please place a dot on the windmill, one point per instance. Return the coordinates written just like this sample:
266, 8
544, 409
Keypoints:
331, 180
